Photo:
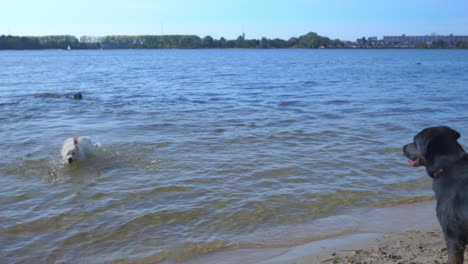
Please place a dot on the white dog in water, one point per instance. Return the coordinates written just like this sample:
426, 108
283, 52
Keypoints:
77, 149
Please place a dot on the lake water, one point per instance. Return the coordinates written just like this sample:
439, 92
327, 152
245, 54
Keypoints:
205, 150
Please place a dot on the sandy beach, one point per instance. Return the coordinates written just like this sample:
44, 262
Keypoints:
395, 234
417, 247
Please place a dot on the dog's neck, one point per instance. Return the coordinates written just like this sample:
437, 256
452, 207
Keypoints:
437, 173
438, 168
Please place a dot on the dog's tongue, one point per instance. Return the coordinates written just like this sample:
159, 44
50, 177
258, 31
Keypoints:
412, 162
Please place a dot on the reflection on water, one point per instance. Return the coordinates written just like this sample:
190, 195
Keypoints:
203, 150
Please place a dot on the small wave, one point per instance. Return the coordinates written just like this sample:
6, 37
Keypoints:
199, 102
124, 156
158, 125
337, 102
151, 258
288, 103
331, 116
288, 121
410, 110
392, 150
8, 104
311, 83
282, 122
406, 200
428, 110
227, 74
49, 95
395, 128
171, 189
162, 144
277, 173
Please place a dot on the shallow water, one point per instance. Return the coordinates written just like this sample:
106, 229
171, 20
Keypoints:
202, 150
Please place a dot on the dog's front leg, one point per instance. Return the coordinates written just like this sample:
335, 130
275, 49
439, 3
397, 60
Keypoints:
455, 250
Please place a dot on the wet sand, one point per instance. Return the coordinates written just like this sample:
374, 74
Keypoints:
395, 234
415, 247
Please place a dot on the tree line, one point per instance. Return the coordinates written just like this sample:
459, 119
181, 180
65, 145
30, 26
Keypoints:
309, 41
44, 42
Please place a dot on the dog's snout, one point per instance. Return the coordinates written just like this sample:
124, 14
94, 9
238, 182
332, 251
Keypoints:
70, 160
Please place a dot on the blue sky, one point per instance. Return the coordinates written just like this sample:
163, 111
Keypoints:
343, 19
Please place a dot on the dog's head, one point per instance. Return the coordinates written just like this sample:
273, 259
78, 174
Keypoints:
434, 148
78, 96
73, 154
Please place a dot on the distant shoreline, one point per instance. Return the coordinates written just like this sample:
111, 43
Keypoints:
308, 41
237, 49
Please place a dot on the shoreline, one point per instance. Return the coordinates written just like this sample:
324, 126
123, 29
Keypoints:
388, 234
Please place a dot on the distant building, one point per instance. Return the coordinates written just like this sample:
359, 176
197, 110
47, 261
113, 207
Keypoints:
370, 39
414, 40
361, 41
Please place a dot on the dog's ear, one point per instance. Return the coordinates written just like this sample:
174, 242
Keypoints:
452, 132
75, 141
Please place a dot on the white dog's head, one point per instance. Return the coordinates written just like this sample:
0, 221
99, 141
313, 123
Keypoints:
73, 153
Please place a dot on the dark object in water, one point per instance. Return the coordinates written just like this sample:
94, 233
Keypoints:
437, 149
78, 96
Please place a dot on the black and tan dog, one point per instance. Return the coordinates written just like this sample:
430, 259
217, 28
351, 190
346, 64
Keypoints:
437, 149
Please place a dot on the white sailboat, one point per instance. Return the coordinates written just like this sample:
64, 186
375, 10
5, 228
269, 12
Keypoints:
68, 47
